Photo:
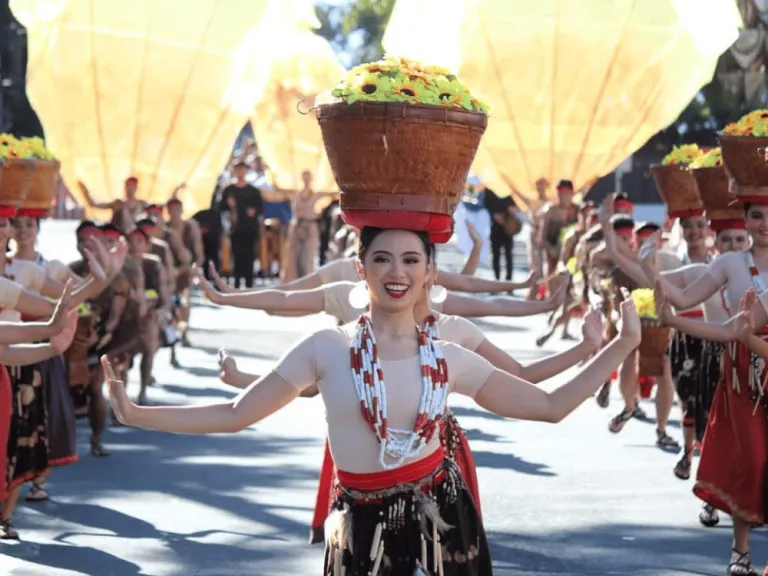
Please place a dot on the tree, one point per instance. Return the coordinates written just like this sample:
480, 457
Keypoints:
355, 29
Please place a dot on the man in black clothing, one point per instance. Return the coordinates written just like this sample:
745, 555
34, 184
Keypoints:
246, 210
500, 209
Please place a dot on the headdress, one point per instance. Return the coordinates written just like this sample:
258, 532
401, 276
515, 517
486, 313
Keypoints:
28, 177
743, 145
400, 143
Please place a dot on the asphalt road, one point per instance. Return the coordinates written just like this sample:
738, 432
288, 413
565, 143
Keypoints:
557, 499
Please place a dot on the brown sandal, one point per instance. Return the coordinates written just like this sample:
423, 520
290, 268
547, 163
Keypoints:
37, 493
619, 421
7, 531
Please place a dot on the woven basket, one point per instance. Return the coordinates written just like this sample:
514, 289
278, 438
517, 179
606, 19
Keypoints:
392, 156
43, 188
719, 203
16, 178
655, 339
677, 188
744, 160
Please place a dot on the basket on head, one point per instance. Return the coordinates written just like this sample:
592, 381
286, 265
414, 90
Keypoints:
722, 208
653, 345
745, 165
400, 165
677, 188
16, 176
42, 189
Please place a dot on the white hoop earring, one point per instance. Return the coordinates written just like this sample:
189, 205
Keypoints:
358, 296
438, 294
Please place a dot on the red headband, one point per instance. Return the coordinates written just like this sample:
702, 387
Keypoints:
622, 203
173, 201
8, 211
33, 212
643, 234
111, 234
758, 199
687, 213
137, 232
90, 231
625, 232
132, 179
730, 224
155, 210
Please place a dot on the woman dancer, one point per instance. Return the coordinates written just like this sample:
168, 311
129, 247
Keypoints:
734, 455
393, 476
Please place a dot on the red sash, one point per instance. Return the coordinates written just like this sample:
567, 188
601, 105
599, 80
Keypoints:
329, 475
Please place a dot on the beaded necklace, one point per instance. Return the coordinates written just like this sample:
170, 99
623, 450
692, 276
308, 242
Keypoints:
397, 443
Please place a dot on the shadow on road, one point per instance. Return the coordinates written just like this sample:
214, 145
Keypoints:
609, 549
503, 461
207, 470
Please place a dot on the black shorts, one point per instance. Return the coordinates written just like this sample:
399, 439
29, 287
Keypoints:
686, 363
711, 356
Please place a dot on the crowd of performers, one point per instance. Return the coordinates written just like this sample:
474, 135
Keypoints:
384, 507
126, 298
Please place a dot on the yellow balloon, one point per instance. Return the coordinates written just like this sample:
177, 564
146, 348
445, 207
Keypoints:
286, 128
156, 90
574, 87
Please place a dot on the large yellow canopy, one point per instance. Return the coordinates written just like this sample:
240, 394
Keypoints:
289, 140
158, 89
574, 87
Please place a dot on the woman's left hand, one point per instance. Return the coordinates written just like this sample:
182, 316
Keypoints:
121, 404
63, 339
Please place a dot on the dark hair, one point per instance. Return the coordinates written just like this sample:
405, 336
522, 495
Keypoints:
642, 226
85, 225
595, 235
621, 222
747, 206
368, 235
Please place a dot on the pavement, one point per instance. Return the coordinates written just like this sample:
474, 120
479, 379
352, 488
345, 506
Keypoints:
557, 499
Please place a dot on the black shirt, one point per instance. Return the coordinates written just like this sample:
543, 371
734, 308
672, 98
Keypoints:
497, 205
245, 197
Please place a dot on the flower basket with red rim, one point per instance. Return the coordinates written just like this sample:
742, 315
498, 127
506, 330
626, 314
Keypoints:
42, 189
677, 188
719, 203
16, 177
653, 345
400, 165
745, 165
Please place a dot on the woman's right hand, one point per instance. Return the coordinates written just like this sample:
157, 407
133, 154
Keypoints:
227, 367
121, 404
222, 286
631, 330
207, 288
58, 320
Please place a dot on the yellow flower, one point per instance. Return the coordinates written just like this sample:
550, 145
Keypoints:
151, 294
754, 123
682, 155
19, 150
405, 80
6, 140
644, 302
37, 147
709, 159
572, 266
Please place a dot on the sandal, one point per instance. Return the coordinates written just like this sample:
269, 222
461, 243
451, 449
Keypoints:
639, 413
709, 516
604, 396
98, 450
741, 565
617, 423
37, 493
7, 531
664, 440
683, 467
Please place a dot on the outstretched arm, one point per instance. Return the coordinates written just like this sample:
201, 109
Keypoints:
473, 307
512, 397
463, 283
300, 301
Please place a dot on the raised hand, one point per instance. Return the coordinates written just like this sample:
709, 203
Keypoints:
207, 288
118, 255
227, 367
477, 240
558, 298
58, 320
663, 309
592, 329
743, 324
121, 404
94, 266
630, 323
606, 210
647, 255
220, 284
63, 339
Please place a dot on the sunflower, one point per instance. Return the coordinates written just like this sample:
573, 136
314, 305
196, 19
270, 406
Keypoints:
37, 147
452, 94
370, 88
711, 158
644, 302
409, 89
6, 140
19, 150
682, 155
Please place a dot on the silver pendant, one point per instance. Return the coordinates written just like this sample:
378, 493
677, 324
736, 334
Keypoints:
687, 364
